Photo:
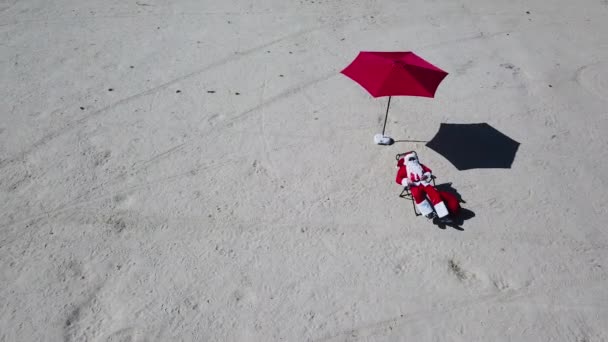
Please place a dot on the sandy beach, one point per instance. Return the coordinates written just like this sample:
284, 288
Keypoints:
201, 171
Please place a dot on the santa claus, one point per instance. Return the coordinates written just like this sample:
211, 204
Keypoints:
418, 178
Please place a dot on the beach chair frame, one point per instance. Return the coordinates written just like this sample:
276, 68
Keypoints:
407, 194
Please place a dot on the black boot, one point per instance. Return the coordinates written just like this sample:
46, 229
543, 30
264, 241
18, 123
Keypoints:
446, 219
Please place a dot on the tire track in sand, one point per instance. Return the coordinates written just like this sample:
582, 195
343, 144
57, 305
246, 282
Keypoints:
376, 328
71, 125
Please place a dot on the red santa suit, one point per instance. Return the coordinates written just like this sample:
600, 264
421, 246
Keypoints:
418, 177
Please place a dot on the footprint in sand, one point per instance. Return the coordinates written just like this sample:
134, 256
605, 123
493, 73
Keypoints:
515, 70
16, 176
123, 335
84, 320
594, 78
258, 168
456, 269
500, 283
117, 224
101, 157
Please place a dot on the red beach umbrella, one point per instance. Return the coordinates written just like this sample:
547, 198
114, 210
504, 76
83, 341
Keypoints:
394, 74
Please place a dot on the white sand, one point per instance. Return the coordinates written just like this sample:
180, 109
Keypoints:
153, 215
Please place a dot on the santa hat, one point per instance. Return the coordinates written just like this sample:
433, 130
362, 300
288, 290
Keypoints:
406, 156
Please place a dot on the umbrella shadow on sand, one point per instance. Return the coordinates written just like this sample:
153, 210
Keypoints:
474, 146
464, 215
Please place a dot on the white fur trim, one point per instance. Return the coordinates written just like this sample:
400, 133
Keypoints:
414, 169
406, 156
404, 182
441, 210
425, 207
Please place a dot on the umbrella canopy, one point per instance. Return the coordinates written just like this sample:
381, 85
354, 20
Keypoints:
474, 146
395, 73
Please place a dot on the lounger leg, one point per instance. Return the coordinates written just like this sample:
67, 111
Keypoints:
414, 205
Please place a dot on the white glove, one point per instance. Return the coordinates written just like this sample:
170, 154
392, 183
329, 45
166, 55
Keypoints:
427, 177
405, 182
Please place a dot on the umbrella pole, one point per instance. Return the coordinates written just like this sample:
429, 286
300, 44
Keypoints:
386, 116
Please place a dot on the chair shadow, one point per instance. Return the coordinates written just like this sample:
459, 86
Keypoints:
447, 187
464, 215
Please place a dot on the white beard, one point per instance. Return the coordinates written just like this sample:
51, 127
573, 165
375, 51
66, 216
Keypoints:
415, 168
